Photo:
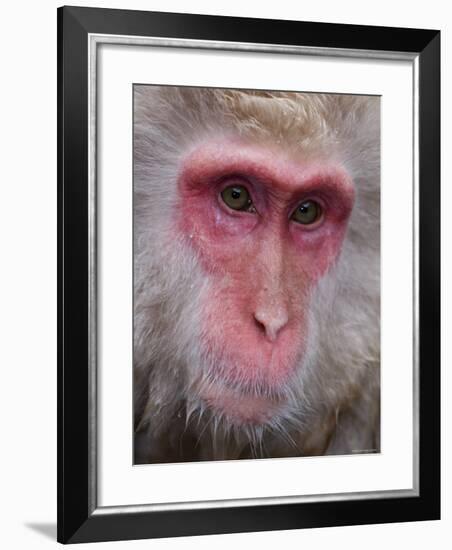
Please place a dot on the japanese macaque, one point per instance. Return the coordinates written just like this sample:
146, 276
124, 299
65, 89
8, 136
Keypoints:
256, 274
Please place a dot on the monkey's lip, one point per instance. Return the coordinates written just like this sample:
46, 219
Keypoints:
240, 408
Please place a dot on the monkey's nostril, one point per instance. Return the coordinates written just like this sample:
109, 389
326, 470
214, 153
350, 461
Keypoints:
260, 325
270, 324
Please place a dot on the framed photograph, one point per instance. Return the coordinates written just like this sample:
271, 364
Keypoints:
248, 274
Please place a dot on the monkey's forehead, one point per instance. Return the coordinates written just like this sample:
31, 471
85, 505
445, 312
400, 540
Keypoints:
297, 118
275, 166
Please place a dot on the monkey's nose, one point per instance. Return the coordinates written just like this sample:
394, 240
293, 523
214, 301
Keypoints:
271, 322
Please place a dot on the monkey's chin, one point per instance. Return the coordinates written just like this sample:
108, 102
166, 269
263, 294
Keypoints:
240, 409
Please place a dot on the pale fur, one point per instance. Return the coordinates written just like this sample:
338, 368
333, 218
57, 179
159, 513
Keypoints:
333, 398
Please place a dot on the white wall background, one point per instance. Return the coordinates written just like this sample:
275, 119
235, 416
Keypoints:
28, 271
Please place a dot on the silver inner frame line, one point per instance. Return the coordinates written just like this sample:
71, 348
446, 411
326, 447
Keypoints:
93, 41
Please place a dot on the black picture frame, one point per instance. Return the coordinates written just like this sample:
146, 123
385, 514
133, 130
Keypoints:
79, 519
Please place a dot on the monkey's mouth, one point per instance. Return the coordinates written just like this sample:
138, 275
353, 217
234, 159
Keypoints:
240, 408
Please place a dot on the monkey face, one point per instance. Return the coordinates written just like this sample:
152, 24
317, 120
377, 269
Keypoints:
256, 273
266, 227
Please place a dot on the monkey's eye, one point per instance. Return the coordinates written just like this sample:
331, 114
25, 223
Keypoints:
236, 197
307, 213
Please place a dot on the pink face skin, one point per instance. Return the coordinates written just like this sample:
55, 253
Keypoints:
263, 264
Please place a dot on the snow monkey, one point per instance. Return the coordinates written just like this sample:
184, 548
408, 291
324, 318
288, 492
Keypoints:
256, 274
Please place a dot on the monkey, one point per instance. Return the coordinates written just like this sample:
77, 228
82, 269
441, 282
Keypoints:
256, 274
